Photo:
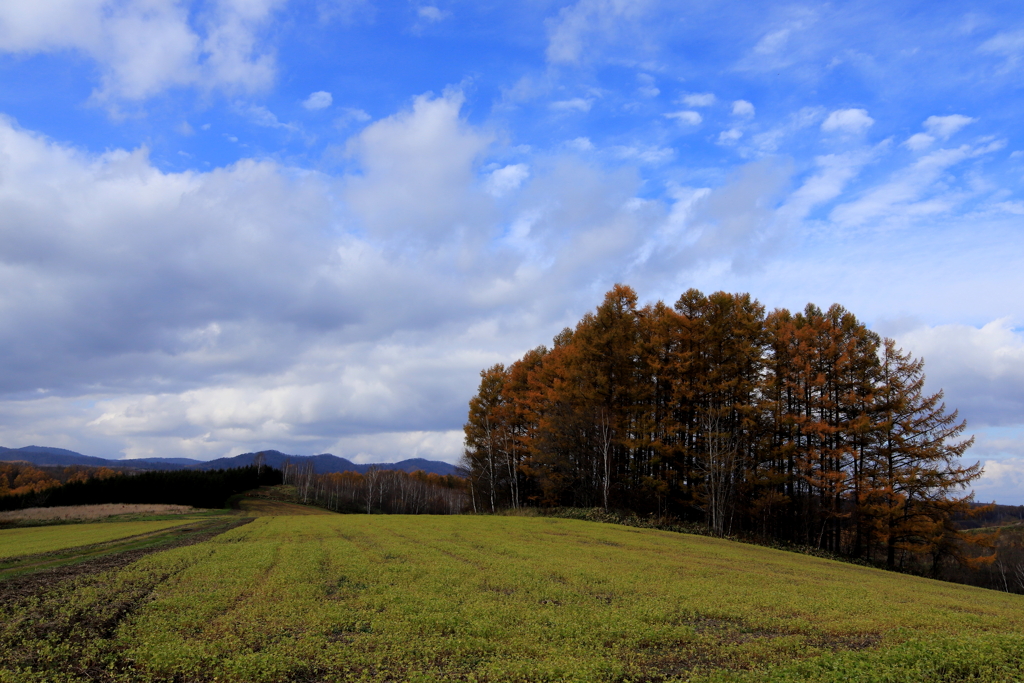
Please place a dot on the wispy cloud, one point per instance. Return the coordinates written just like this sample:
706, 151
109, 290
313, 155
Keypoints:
699, 99
907, 194
945, 126
577, 104
690, 118
590, 23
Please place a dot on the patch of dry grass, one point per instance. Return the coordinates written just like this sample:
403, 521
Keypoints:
259, 507
78, 512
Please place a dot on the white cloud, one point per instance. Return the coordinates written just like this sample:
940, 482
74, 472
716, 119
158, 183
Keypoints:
431, 13
417, 170
144, 47
769, 141
853, 121
166, 332
581, 144
729, 137
919, 141
832, 174
644, 154
690, 118
773, 43
785, 44
647, 87
318, 100
699, 99
261, 116
506, 179
945, 126
912, 192
350, 115
1002, 482
981, 369
575, 104
581, 29
729, 223
1007, 44
742, 108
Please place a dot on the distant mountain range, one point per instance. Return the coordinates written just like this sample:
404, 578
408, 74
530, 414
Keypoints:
322, 464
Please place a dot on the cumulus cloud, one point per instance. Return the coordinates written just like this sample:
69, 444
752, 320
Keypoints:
847, 121
742, 108
149, 312
1002, 482
418, 170
318, 100
506, 179
980, 369
146, 46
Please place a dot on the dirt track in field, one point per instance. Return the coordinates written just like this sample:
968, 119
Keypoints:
23, 585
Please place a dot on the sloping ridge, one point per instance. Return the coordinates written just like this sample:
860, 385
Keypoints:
322, 464
326, 462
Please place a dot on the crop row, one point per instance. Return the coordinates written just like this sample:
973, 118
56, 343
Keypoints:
500, 599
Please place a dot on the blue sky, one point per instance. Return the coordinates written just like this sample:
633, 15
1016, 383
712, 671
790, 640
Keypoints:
244, 224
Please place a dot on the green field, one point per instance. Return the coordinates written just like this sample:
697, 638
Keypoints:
45, 539
356, 597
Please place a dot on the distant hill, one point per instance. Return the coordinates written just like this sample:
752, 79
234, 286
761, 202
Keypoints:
322, 464
40, 455
326, 462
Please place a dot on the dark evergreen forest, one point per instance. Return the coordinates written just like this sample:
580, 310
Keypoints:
198, 488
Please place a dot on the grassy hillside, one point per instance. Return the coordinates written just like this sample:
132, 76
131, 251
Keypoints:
329, 597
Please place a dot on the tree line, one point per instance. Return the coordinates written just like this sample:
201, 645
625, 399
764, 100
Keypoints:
198, 488
378, 490
17, 477
803, 427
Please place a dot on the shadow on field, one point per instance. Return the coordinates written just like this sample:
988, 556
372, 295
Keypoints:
733, 644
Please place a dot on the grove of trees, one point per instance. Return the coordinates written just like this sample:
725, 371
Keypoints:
379, 490
805, 428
